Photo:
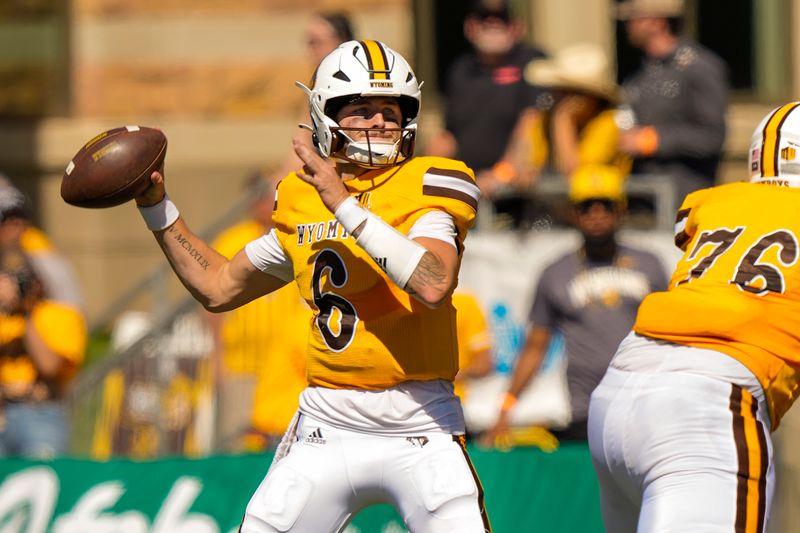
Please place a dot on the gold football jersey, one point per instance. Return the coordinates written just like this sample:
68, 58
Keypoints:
366, 332
737, 287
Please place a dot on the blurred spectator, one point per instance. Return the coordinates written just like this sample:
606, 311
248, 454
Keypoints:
325, 31
474, 341
580, 127
260, 369
256, 354
282, 370
678, 98
43, 333
42, 345
589, 295
485, 94
56, 274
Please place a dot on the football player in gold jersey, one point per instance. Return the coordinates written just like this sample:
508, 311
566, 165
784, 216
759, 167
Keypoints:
373, 238
685, 411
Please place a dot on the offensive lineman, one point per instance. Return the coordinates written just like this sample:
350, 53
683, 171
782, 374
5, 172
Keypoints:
373, 237
679, 427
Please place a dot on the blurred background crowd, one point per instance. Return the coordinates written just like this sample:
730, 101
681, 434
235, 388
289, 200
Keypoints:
586, 123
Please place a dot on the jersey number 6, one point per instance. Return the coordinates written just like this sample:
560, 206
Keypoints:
330, 261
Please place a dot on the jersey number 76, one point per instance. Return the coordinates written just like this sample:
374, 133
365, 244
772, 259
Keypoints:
751, 274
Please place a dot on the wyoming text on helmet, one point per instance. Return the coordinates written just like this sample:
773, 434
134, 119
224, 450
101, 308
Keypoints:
775, 147
358, 69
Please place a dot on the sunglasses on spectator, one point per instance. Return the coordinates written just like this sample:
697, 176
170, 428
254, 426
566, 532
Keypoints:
586, 206
486, 14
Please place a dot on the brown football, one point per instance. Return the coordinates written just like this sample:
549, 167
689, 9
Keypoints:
113, 167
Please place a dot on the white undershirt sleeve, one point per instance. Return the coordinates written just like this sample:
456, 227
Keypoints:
267, 255
435, 225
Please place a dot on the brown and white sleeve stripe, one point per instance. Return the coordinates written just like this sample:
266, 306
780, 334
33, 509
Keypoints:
450, 183
681, 237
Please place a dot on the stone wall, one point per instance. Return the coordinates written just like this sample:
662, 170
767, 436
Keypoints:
216, 76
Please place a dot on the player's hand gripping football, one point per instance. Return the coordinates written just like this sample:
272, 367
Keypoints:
321, 174
155, 192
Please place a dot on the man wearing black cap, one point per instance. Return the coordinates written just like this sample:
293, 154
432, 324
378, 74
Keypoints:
486, 91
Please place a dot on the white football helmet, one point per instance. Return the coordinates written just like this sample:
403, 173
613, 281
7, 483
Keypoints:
357, 69
775, 147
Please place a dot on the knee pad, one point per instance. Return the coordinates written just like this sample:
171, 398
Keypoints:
441, 477
279, 501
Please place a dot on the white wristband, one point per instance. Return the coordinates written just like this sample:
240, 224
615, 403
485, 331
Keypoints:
350, 214
161, 215
394, 252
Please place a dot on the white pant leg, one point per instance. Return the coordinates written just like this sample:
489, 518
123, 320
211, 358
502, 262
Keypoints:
698, 458
305, 491
434, 486
619, 495
329, 474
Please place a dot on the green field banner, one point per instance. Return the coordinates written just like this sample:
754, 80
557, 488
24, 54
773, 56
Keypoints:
526, 490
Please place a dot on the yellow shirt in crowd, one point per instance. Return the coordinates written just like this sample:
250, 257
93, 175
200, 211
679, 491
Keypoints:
267, 338
473, 332
62, 329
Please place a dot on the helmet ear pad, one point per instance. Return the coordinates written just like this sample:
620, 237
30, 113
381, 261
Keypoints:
409, 108
407, 143
337, 141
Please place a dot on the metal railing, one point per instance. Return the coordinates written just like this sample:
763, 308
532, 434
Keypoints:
153, 394
151, 398
150, 394
658, 191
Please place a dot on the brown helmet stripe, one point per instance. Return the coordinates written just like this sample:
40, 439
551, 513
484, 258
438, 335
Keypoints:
771, 140
377, 63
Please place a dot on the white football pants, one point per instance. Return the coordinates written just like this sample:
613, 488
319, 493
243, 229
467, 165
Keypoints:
329, 474
676, 447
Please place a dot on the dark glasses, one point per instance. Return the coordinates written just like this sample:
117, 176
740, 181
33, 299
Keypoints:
585, 206
485, 14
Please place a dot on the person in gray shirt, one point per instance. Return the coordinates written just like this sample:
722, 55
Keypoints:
678, 96
590, 296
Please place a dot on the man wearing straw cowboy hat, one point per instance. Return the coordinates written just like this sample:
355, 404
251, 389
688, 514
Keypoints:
678, 97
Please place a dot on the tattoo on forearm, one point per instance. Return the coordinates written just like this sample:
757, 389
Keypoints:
429, 272
194, 253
